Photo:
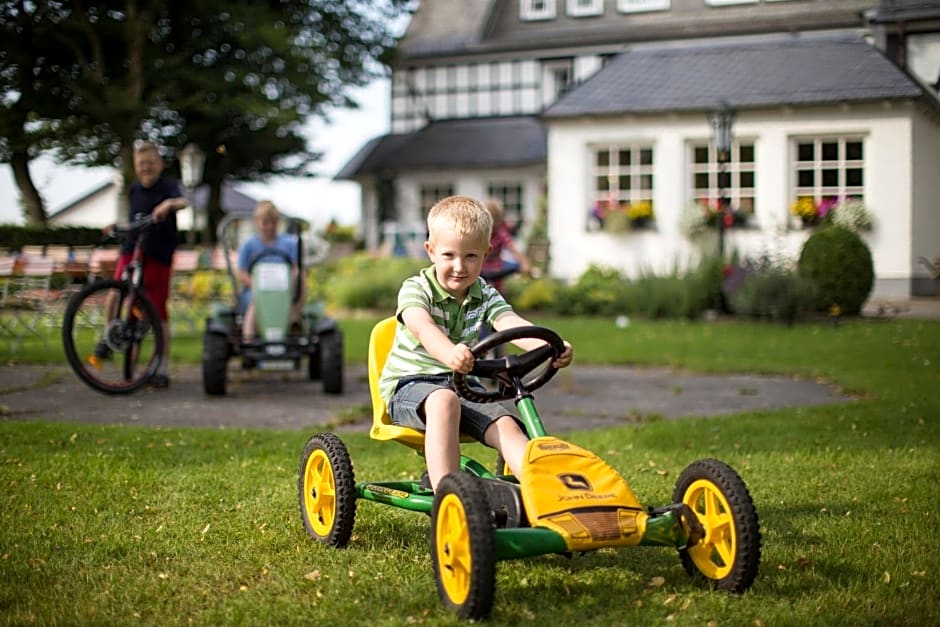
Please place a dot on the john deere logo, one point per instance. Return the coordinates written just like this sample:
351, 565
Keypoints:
575, 482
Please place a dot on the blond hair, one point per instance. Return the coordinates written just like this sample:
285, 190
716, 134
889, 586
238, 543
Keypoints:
266, 209
463, 215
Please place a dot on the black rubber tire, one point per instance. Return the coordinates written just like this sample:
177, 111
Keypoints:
733, 521
215, 354
326, 490
134, 377
331, 361
313, 365
460, 503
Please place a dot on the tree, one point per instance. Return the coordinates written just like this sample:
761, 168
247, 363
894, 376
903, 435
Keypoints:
237, 78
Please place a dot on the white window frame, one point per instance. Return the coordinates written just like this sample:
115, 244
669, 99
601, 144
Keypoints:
842, 164
582, 8
641, 6
741, 198
511, 194
532, 10
430, 193
635, 170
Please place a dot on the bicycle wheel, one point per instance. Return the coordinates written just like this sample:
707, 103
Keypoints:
116, 353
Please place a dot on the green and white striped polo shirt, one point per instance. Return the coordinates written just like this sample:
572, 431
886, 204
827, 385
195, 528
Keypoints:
460, 322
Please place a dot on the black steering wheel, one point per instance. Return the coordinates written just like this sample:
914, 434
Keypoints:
510, 371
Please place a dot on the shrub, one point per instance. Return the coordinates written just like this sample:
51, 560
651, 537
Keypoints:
839, 264
538, 295
772, 292
363, 282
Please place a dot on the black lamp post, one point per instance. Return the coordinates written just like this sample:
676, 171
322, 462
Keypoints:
192, 162
721, 120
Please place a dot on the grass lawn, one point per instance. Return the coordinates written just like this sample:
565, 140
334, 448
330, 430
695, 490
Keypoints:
119, 524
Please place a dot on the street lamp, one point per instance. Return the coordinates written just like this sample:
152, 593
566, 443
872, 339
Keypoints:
721, 120
192, 162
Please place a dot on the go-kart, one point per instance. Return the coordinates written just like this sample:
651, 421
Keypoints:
280, 344
566, 499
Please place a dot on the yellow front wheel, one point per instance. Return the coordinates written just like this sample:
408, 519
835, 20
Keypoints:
729, 553
326, 489
463, 549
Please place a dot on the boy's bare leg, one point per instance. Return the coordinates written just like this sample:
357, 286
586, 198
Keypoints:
442, 435
248, 323
506, 437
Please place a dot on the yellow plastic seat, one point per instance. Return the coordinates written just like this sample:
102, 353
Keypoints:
380, 344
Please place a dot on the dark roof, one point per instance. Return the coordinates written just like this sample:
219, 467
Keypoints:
905, 10
448, 28
232, 201
488, 143
783, 70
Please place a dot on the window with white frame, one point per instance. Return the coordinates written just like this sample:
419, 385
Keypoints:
580, 8
510, 194
829, 169
433, 192
621, 183
531, 10
639, 6
734, 180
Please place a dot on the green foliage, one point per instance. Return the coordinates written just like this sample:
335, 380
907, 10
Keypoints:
772, 292
363, 282
535, 295
839, 263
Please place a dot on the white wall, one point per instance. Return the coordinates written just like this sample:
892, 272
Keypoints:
926, 199
889, 172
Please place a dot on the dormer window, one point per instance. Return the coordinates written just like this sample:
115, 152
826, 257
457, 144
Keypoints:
532, 10
640, 6
580, 8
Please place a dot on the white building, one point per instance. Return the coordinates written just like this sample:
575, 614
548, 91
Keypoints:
600, 101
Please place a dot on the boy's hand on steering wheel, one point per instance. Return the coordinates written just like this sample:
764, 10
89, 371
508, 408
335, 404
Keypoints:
565, 358
460, 359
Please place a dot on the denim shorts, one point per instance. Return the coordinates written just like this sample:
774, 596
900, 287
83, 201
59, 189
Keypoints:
407, 406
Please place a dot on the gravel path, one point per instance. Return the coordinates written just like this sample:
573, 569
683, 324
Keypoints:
582, 397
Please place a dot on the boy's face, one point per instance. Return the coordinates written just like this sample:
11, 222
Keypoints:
147, 166
457, 260
267, 227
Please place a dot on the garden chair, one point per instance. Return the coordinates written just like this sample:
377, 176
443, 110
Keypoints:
30, 299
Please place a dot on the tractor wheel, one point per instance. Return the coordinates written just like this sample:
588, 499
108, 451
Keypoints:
326, 489
729, 554
463, 549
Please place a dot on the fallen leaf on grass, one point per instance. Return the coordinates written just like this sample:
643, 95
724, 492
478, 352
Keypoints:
313, 575
886, 578
656, 582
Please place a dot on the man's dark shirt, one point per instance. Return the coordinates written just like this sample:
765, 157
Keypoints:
160, 241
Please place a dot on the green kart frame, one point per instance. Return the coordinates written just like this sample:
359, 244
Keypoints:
479, 517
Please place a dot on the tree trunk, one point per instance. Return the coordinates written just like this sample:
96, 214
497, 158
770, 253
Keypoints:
34, 210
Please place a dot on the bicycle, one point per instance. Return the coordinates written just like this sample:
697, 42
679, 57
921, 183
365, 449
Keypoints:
111, 332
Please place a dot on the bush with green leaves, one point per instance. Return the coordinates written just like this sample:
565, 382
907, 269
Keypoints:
772, 292
839, 264
361, 281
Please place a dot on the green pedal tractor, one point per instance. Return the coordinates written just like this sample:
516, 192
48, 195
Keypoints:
281, 344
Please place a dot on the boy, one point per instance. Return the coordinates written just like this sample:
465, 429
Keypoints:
160, 197
266, 219
440, 312
496, 268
